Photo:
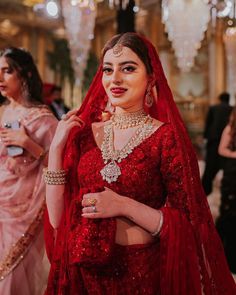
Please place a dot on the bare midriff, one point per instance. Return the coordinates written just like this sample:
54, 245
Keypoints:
128, 233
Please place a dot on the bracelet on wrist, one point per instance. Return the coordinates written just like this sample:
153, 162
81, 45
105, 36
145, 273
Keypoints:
157, 231
55, 177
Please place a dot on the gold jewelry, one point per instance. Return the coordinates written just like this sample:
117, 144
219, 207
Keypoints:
148, 97
155, 233
55, 177
112, 171
129, 120
92, 202
117, 49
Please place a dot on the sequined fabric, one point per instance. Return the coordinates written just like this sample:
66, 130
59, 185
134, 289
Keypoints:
151, 174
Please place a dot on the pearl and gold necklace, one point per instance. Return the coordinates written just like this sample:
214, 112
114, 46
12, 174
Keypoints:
111, 157
128, 120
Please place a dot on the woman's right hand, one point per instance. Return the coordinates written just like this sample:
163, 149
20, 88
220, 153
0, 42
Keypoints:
64, 126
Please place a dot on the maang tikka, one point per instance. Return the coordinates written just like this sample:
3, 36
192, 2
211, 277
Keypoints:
117, 49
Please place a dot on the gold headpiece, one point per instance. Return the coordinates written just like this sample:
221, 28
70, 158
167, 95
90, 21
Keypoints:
117, 49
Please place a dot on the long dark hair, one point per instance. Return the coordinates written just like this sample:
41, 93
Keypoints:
22, 62
2, 99
135, 43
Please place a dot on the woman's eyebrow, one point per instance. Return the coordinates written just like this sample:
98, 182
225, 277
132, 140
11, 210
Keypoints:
5, 68
121, 63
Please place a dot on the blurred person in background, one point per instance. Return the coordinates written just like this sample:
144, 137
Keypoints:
26, 130
216, 120
56, 102
226, 223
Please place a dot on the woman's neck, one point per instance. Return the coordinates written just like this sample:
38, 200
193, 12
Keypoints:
128, 110
15, 103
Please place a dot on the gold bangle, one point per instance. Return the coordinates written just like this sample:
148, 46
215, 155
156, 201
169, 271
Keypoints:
54, 173
55, 177
155, 233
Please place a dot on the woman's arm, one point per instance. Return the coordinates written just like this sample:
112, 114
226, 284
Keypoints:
110, 204
54, 193
224, 149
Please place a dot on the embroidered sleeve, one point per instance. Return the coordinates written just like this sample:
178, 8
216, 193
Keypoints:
172, 165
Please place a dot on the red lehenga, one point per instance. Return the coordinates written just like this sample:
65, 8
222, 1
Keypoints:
162, 172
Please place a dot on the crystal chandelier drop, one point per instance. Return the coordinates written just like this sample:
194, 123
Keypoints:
79, 18
186, 22
92, 3
79, 23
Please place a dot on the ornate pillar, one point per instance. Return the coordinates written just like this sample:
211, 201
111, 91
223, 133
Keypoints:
217, 74
230, 46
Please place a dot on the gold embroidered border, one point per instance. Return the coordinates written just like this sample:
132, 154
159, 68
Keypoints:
18, 250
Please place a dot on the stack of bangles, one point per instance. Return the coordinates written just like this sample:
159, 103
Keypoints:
55, 177
157, 232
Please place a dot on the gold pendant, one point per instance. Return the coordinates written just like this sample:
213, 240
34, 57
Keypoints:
111, 172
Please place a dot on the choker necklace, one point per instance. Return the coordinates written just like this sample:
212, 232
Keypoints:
129, 120
111, 157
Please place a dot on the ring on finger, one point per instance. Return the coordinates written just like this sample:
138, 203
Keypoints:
92, 202
94, 208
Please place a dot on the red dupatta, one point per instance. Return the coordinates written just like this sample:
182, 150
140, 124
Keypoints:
188, 230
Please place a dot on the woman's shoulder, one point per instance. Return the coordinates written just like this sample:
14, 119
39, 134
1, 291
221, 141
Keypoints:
100, 124
38, 112
162, 128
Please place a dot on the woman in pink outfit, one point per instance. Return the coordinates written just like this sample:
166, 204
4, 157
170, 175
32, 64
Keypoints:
27, 128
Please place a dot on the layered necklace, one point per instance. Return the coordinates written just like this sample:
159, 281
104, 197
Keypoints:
111, 157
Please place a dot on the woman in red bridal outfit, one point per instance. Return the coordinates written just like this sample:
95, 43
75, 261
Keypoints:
124, 195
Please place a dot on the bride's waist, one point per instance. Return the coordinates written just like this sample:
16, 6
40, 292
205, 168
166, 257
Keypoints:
129, 233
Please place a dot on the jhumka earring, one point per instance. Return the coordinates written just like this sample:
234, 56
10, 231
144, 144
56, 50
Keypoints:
148, 97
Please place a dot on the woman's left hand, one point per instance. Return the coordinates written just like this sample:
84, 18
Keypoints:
102, 205
14, 137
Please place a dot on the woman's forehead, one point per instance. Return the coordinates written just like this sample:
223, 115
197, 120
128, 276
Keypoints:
119, 56
3, 61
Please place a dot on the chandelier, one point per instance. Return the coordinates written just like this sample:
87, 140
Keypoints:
79, 19
79, 23
92, 3
186, 22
